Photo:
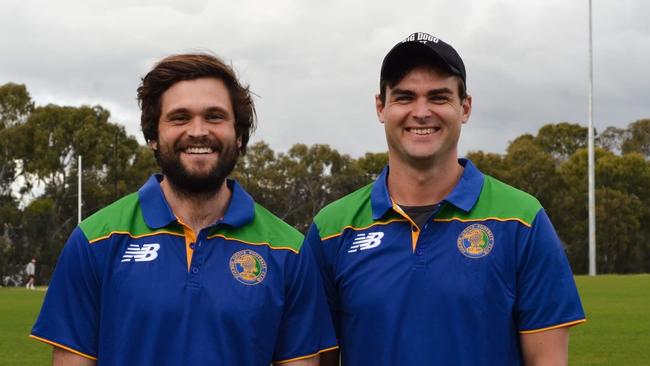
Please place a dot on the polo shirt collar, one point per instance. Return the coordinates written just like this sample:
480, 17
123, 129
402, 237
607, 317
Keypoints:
468, 189
158, 214
379, 197
241, 209
155, 209
464, 195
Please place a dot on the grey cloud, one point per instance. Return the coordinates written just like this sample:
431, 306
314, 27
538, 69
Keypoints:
315, 64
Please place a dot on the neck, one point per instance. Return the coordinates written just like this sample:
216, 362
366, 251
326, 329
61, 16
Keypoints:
197, 211
420, 186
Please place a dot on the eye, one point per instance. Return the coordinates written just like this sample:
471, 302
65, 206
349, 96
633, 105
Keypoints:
179, 118
214, 117
439, 98
403, 98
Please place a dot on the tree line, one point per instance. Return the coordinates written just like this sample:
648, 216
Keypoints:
39, 146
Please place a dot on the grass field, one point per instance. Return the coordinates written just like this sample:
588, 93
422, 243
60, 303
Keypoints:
18, 310
617, 331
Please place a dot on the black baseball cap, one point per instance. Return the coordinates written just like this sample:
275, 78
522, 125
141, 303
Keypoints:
420, 47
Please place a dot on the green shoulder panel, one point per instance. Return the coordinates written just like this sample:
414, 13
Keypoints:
497, 201
353, 210
266, 229
123, 216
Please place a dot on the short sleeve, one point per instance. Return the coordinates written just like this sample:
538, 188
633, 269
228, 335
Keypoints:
306, 328
547, 296
69, 317
326, 270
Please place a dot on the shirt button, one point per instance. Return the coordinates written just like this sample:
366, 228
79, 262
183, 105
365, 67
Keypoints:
419, 252
192, 245
195, 270
414, 228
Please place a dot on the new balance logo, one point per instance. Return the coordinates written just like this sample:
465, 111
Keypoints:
366, 241
144, 253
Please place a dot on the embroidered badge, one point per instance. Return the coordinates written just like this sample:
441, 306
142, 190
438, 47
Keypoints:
248, 267
475, 241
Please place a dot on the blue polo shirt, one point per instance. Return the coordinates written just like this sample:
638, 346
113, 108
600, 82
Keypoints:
486, 267
136, 286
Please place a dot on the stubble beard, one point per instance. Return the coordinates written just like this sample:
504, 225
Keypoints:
197, 185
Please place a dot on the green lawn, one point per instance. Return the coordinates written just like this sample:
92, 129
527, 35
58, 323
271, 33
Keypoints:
18, 310
617, 331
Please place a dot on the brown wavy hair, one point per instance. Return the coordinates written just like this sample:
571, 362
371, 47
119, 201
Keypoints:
173, 69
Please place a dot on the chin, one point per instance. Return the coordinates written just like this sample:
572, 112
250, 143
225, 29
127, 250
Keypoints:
202, 170
424, 156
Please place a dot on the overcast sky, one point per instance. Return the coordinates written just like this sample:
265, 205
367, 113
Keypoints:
315, 64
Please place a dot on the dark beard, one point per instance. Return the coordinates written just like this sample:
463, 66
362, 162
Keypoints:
197, 186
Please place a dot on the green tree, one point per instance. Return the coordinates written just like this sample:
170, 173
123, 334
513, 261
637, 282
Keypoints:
15, 107
623, 206
491, 164
7, 164
297, 184
310, 172
638, 139
10, 217
533, 170
612, 139
562, 139
257, 172
370, 166
15, 104
572, 225
43, 234
46, 147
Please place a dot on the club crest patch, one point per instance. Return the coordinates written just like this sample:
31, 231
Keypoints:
475, 241
248, 267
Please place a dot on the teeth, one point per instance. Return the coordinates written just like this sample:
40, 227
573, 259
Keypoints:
424, 131
198, 150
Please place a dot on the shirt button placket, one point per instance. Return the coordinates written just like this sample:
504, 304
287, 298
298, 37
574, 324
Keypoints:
195, 269
420, 261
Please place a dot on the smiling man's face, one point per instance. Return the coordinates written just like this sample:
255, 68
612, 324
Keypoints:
197, 144
422, 116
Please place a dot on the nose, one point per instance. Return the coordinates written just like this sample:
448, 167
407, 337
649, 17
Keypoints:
197, 127
421, 109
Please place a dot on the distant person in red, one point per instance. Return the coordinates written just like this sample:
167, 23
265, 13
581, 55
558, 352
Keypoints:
30, 270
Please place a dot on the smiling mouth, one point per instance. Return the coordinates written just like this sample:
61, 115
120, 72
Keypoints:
198, 150
423, 131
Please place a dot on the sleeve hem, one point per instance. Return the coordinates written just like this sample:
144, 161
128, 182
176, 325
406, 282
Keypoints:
567, 324
306, 356
55, 344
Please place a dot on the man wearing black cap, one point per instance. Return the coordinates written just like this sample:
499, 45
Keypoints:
436, 263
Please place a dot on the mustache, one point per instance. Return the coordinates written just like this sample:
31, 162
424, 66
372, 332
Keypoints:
203, 141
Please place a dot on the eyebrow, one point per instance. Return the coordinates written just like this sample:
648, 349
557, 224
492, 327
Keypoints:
430, 92
183, 110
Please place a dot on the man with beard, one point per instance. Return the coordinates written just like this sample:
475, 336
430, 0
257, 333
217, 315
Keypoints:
189, 270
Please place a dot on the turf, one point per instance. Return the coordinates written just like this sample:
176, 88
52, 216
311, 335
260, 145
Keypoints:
18, 310
617, 331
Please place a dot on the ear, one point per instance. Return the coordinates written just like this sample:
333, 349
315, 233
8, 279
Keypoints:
239, 142
466, 106
379, 108
153, 144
